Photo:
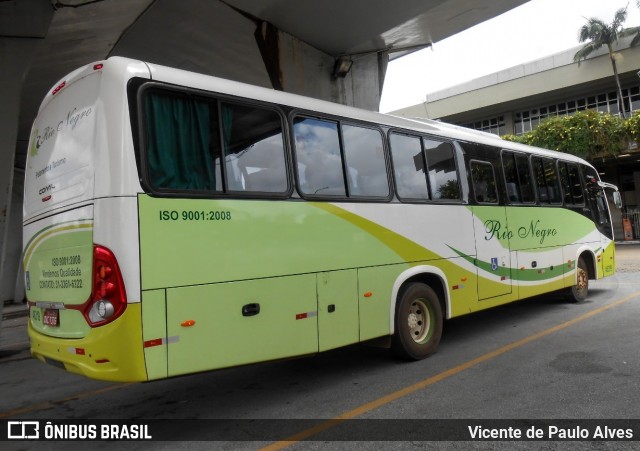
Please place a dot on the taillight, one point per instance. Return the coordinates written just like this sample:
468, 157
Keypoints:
108, 296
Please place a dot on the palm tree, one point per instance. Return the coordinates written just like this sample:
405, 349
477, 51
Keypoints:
598, 34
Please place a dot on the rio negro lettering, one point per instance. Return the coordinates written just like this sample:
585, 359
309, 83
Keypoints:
494, 229
534, 230
73, 118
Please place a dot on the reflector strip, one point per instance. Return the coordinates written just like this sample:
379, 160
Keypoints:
306, 315
161, 341
154, 342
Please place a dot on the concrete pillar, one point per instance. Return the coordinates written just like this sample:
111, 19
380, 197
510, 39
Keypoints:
308, 71
23, 25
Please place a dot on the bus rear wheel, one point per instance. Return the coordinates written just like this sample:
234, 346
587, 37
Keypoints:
580, 291
418, 323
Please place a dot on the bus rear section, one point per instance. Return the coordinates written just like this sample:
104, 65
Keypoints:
79, 316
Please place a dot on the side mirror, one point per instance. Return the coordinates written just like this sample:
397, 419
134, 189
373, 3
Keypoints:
617, 199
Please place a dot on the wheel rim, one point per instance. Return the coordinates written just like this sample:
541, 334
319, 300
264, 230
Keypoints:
419, 321
583, 281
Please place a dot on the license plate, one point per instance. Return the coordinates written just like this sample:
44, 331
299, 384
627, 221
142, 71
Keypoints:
51, 317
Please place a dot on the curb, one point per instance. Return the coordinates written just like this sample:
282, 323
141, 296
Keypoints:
13, 314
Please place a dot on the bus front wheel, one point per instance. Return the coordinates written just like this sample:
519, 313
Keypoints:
580, 290
418, 323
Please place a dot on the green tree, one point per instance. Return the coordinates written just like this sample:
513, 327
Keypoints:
598, 34
587, 134
632, 127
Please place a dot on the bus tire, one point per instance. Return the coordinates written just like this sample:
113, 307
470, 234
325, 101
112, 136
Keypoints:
580, 291
418, 323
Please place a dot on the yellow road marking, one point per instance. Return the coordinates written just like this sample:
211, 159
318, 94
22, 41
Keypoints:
387, 399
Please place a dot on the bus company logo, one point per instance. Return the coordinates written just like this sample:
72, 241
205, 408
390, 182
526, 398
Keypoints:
83, 430
23, 430
46, 189
536, 231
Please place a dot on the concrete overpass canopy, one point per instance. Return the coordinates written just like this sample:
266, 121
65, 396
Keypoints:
290, 45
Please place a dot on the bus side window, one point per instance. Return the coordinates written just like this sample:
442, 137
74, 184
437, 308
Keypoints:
596, 195
517, 176
551, 178
565, 183
511, 177
484, 182
524, 177
182, 145
541, 184
188, 137
254, 149
367, 168
571, 185
409, 167
317, 150
441, 164
576, 184
546, 177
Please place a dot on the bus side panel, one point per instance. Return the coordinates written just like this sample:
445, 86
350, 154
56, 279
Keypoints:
546, 242
200, 241
337, 309
375, 286
154, 333
608, 259
235, 323
541, 271
493, 260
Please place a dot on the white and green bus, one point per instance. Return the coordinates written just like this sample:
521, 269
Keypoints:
176, 223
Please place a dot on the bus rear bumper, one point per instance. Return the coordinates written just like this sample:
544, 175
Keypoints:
112, 352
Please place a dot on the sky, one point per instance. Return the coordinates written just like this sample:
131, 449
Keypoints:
537, 29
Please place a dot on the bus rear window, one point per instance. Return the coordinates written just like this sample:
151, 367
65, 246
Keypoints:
188, 137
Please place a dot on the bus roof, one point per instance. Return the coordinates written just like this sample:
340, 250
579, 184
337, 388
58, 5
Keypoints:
211, 83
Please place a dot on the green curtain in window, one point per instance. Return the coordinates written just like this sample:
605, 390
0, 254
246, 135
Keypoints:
178, 149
